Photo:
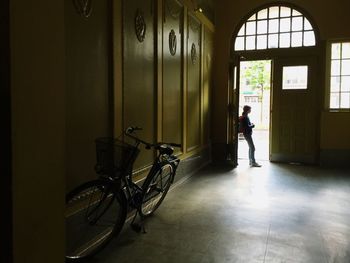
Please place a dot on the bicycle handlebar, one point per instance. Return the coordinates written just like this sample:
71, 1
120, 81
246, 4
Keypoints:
128, 132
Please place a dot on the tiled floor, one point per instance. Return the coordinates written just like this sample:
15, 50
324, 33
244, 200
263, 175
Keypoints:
276, 213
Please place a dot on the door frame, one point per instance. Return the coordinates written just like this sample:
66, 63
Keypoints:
274, 54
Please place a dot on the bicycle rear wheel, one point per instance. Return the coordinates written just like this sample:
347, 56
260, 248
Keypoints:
95, 212
155, 188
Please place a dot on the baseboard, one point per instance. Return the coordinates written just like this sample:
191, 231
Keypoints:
335, 158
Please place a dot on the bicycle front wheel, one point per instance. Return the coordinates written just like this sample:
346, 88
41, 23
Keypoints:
95, 212
155, 188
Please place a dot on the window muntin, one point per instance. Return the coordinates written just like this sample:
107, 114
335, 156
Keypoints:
278, 27
340, 76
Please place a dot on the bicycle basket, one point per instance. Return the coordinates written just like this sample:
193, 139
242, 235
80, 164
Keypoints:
114, 157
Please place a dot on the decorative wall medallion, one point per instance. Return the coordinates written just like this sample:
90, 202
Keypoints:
140, 25
83, 7
172, 42
193, 54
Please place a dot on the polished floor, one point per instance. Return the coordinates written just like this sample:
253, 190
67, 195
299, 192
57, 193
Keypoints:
276, 213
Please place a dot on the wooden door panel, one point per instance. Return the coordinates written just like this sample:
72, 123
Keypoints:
294, 116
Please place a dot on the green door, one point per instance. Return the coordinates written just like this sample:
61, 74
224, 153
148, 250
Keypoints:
294, 116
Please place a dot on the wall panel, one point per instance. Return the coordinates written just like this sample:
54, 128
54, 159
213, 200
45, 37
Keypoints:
139, 95
172, 71
193, 103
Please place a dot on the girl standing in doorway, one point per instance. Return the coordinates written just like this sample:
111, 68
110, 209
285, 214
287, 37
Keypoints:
246, 127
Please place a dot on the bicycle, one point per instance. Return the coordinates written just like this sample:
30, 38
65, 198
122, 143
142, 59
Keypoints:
96, 210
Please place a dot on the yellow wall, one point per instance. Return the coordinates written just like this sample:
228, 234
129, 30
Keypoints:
331, 18
38, 130
335, 130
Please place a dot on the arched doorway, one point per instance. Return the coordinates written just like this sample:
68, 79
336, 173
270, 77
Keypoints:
286, 36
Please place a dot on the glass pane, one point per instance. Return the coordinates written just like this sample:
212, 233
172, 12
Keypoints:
335, 84
285, 25
334, 101
274, 12
335, 67
273, 41
296, 13
345, 53
241, 31
285, 11
309, 38
262, 14
262, 42
253, 17
273, 26
345, 83
345, 67
336, 51
262, 27
250, 43
251, 30
239, 45
307, 25
297, 39
345, 100
297, 23
294, 77
285, 40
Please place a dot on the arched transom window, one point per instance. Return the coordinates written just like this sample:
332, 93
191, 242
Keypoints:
275, 27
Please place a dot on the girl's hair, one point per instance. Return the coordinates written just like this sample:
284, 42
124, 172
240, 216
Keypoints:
245, 109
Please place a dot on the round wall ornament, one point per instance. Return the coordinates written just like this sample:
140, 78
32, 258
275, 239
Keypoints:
193, 54
83, 7
172, 42
140, 25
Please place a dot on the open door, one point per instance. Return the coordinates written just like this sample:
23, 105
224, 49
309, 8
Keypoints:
294, 111
233, 104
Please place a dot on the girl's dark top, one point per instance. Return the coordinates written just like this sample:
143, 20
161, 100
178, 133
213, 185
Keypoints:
247, 125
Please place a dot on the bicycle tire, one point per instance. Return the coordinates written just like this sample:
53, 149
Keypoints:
95, 212
155, 188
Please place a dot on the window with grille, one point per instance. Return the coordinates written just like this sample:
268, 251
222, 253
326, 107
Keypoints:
340, 76
275, 27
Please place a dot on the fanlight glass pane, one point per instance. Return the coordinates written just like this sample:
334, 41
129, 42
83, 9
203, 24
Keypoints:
296, 13
250, 43
294, 77
309, 38
273, 26
273, 41
251, 28
262, 14
297, 39
285, 40
307, 25
297, 23
274, 12
239, 45
262, 42
241, 31
262, 27
285, 11
285, 25
253, 17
